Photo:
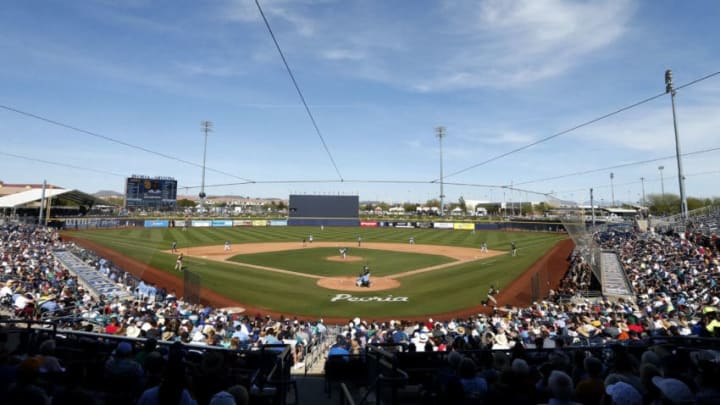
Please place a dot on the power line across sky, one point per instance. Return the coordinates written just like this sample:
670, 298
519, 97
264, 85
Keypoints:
271, 75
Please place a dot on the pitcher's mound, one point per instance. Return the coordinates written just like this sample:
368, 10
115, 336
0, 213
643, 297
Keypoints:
346, 259
348, 284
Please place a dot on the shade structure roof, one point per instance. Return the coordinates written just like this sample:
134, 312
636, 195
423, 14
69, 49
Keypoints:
30, 196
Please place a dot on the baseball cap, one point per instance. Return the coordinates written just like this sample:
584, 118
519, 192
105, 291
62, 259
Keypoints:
676, 391
624, 393
222, 398
123, 348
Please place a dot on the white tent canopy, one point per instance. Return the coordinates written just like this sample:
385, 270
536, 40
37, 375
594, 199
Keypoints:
27, 197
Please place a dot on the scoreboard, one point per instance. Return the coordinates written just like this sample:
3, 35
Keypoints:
323, 206
150, 192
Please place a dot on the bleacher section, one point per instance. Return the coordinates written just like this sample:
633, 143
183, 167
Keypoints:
613, 278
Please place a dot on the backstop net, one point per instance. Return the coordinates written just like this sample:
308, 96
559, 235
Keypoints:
577, 221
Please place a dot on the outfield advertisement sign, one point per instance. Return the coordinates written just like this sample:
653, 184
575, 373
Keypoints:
157, 223
443, 225
278, 222
243, 222
222, 222
89, 277
464, 226
201, 223
388, 224
260, 222
369, 224
424, 225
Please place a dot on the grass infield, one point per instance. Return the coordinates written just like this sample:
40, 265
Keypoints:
314, 261
444, 290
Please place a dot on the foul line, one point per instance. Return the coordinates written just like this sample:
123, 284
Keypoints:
389, 247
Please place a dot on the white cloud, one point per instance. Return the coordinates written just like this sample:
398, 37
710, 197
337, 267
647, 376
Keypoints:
507, 137
198, 69
285, 11
342, 54
505, 44
461, 44
651, 129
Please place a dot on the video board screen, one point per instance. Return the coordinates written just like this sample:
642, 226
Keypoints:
323, 206
150, 192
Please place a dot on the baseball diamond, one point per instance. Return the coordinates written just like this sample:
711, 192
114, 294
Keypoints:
271, 270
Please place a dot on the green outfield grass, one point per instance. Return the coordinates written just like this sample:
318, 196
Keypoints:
313, 261
449, 289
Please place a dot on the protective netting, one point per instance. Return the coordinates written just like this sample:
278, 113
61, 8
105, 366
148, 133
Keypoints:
191, 287
577, 221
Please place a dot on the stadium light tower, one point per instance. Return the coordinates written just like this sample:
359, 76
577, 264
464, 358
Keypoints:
662, 181
206, 128
612, 188
440, 133
681, 177
642, 182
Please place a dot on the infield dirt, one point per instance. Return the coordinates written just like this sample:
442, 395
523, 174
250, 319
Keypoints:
513, 294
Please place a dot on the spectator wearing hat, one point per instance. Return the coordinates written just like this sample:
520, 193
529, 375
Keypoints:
673, 391
222, 398
623, 394
7, 290
122, 372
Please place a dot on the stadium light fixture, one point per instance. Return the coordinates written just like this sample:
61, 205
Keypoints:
681, 177
206, 128
440, 133
642, 182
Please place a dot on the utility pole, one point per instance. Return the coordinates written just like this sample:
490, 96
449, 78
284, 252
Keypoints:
612, 188
440, 133
681, 177
42, 203
592, 207
206, 128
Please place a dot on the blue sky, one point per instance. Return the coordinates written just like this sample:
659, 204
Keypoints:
379, 77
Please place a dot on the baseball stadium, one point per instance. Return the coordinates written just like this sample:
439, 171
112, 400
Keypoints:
463, 202
272, 266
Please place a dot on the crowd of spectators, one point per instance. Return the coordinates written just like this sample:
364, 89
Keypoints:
36, 286
674, 279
